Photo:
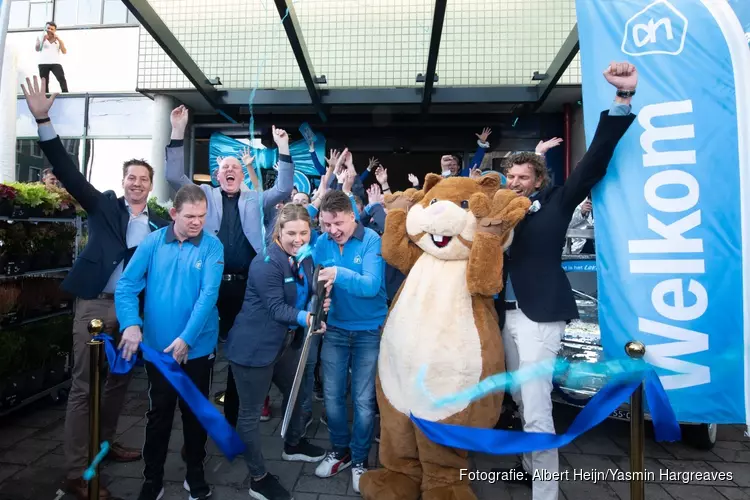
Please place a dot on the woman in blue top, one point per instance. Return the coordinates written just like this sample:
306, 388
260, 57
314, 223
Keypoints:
265, 342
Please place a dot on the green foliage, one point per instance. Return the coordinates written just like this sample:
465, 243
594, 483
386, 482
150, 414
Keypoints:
157, 209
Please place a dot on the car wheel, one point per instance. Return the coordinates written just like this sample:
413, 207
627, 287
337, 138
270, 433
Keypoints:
700, 436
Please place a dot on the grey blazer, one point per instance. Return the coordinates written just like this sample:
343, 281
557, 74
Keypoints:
250, 200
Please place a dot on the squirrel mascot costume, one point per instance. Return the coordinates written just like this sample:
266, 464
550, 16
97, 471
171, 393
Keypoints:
448, 239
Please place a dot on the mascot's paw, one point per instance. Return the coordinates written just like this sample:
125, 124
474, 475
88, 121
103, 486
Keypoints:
508, 209
403, 199
385, 484
454, 492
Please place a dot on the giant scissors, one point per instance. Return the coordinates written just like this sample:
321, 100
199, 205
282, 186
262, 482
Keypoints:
319, 315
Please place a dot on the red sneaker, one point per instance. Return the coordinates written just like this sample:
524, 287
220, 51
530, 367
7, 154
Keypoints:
265, 415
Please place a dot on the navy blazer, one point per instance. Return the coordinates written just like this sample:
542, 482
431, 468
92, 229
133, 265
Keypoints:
268, 311
108, 218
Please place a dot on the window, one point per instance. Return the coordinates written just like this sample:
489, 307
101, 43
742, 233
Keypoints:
29, 14
35, 174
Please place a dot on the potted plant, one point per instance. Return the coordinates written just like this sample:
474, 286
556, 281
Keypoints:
7, 196
42, 240
12, 382
62, 246
31, 200
9, 295
66, 206
16, 247
158, 209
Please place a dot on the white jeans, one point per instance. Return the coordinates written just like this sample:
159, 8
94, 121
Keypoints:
529, 343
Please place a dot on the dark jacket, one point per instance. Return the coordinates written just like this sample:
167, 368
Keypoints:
108, 218
534, 260
268, 311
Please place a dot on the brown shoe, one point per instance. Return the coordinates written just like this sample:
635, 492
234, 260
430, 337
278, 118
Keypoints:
80, 489
118, 453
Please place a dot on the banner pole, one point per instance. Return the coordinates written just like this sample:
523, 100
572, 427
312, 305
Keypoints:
95, 369
636, 350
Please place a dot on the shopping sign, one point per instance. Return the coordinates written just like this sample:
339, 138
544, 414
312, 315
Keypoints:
673, 212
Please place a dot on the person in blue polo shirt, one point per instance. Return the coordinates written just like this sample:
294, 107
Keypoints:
353, 266
180, 267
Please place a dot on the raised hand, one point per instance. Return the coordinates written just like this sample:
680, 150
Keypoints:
333, 159
247, 160
623, 76
485, 134
475, 174
372, 164
508, 209
349, 175
544, 146
413, 179
179, 119
37, 101
381, 174
281, 138
375, 194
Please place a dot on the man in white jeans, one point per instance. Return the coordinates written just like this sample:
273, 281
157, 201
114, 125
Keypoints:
537, 300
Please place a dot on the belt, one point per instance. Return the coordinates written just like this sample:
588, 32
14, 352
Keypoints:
234, 277
106, 296
511, 305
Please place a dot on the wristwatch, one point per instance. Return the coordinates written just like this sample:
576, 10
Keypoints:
625, 93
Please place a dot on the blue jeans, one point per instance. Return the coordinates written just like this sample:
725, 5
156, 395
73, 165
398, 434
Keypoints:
308, 382
359, 350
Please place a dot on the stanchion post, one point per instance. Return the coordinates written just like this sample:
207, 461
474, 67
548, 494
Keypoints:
636, 350
95, 369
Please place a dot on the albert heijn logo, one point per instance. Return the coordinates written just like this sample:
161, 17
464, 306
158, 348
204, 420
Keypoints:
658, 29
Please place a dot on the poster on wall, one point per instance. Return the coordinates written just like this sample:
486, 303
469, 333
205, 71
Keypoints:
305, 173
673, 212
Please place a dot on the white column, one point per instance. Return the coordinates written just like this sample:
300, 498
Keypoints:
8, 82
162, 130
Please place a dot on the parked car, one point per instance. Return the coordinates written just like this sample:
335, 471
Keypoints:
582, 343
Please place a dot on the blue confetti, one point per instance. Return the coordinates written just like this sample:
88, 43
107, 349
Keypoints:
89, 474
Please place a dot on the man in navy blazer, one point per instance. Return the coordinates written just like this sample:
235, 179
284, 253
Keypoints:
116, 226
537, 300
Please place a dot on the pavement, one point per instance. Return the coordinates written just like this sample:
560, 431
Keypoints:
32, 465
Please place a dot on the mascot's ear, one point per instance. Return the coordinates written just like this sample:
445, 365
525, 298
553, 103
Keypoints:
489, 184
430, 181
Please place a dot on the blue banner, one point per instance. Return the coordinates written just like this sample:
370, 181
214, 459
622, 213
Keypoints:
222, 145
672, 212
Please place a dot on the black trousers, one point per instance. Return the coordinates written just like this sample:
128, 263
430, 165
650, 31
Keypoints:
58, 71
229, 304
163, 398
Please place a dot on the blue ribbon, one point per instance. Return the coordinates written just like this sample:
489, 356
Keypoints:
599, 408
89, 473
225, 437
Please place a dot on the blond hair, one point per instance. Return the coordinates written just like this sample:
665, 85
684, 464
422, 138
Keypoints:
289, 213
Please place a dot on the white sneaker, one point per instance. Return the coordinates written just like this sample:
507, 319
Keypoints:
333, 463
357, 471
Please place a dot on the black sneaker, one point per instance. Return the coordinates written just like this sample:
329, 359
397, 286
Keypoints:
151, 490
333, 463
268, 488
200, 491
303, 452
515, 475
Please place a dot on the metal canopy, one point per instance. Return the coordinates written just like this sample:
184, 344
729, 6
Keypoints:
297, 42
531, 96
432, 58
151, 21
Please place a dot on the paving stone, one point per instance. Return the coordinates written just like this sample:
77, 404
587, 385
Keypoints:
220, 472
7, 470
495, 491
586, 463
598, 445
288, 472
731, 433
135, 407
336, 485
33, 483
693, 492
125, 422
733, 455
588, 489
733, 492
125, 488
740, 475
11, 434
40, 419
271, 427
315, 496
652, 449
55, 432
28, 451
518, 492
730, 445
123, 469
683, 451
132, 438
51, 460
653, 491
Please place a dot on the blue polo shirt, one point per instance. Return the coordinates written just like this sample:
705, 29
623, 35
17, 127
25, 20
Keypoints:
358, 298
181, 280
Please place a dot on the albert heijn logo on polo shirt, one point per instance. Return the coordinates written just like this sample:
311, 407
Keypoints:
357, 259
198, 264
